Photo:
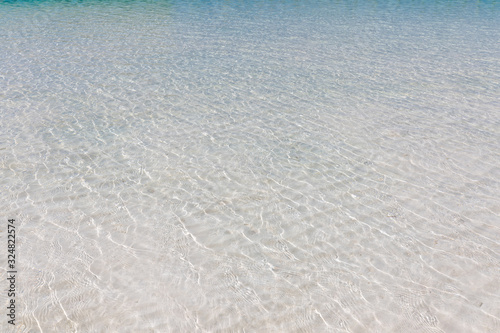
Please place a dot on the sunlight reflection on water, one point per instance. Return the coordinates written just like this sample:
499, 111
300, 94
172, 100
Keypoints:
271, 166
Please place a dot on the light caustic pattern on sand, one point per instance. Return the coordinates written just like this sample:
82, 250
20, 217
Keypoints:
252, 166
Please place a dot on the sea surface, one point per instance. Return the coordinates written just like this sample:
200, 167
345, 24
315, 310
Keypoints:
251, 166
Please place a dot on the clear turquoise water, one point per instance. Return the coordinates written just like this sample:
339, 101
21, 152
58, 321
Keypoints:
257, 166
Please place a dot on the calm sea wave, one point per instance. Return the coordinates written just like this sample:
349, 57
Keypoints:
251, 166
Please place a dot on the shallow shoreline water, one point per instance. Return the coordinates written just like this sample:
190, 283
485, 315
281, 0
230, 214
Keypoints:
253, 166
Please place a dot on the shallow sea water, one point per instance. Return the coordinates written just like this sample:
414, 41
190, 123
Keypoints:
251, 166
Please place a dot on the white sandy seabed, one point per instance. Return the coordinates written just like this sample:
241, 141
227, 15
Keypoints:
251, 167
